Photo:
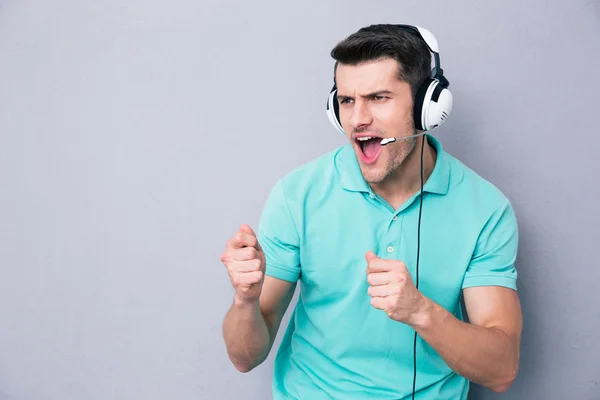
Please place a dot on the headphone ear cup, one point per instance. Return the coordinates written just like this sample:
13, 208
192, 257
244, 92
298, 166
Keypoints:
438, 105
333, 111
433, 104
421, 103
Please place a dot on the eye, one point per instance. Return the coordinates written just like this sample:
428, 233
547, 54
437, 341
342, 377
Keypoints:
345, 101
378, 98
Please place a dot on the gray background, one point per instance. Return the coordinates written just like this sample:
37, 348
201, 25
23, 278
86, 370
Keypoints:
136, 136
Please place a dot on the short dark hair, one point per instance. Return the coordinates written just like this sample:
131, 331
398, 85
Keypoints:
380, 41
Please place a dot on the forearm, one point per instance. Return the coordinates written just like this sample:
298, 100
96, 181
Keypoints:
486, 356
246, 335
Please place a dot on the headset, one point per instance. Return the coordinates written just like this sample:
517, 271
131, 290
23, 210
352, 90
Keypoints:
433, 100
432, 106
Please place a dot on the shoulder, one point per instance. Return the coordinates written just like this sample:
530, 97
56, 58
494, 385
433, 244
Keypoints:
298, 192
314, 176
479, 203
473, 189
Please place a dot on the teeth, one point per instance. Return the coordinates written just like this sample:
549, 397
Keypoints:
364, 138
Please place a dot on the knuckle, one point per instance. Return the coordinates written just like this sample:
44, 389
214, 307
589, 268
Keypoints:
252, 240
399, 276
238, 237
226, 257
253, 279
252, 253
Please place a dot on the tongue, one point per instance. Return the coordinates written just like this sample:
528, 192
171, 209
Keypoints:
372, 147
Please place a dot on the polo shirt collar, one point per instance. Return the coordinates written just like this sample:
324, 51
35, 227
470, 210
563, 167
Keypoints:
438, 182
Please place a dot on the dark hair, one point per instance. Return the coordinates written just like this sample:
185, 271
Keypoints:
381, 41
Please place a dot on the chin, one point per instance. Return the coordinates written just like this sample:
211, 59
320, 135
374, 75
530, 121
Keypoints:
373, 174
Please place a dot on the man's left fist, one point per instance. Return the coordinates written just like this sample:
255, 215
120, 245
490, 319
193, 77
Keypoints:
392, 290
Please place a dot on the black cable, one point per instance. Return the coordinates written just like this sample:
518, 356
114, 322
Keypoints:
417, 272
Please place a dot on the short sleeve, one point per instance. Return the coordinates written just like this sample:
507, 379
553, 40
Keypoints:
278, 237
493, 261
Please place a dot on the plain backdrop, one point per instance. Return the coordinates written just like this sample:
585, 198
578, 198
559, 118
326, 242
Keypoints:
135, 138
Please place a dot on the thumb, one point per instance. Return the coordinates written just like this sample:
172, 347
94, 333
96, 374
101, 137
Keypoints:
370, 256
246, 229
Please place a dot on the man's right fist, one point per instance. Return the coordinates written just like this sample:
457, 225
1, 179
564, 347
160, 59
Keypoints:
245, 262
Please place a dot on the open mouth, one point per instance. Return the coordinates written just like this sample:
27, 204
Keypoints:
369, 148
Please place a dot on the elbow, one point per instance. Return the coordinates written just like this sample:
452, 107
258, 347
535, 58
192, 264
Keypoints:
501, 388
243, 368
505, 383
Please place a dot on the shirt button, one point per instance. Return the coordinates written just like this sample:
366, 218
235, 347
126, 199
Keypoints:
395, 218
390, 249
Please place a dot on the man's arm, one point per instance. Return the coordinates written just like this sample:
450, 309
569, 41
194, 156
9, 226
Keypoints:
486, 350
264, 273
249, 329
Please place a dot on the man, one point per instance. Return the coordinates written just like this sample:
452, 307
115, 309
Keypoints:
351, 228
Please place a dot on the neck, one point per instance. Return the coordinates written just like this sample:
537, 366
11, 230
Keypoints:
406, 180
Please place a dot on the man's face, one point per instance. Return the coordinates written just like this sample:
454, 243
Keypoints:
375, 104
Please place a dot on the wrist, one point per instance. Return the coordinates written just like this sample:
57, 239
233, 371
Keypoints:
245, 304
423, 317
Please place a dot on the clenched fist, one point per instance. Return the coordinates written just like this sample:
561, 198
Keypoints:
392, 290
245, 262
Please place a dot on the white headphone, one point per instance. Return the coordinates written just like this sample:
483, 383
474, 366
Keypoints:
433, 100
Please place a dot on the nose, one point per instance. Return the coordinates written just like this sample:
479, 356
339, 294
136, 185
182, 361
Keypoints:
361, 116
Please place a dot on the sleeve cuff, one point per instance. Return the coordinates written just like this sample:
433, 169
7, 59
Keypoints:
490, 280
282, 273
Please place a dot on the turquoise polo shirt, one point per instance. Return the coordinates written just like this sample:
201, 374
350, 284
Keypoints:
318, 223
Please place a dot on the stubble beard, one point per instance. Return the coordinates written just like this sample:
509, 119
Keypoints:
398, 153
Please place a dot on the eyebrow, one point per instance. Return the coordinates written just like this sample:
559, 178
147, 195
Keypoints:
367, 96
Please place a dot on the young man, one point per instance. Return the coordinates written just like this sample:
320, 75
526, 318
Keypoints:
378, 262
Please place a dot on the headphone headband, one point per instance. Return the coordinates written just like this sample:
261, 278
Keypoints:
432, 44
425, 34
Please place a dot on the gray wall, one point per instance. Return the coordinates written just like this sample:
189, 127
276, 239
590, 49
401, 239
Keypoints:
136, 136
